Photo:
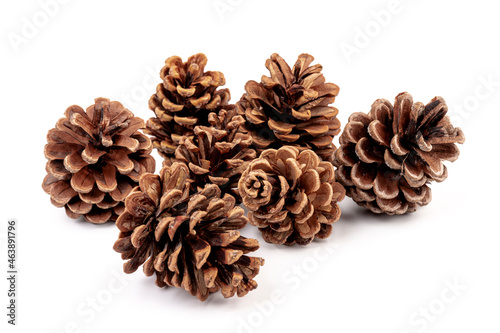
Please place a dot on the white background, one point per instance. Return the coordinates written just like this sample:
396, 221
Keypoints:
375, 274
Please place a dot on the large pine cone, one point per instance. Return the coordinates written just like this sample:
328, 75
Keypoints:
183, 100
189, 241
218, 154
387, 157
95, 159
291, 108
292, 196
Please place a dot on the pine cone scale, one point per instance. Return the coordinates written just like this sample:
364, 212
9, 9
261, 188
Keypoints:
217, 154
189, 240
183, 101
291, 108
291, 195
85, 150
387, 156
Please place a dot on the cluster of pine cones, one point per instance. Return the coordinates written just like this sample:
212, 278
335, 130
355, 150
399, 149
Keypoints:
272, 152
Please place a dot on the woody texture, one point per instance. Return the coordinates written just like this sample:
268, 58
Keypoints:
218, 154
95, 158
388, 157
291, 196
188, 240
291, 107
183, 100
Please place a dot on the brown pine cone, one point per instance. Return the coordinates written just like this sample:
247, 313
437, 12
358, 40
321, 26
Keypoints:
95, 158
189, 241
292, 196
183, 100
291, 108
218, 154
387, 157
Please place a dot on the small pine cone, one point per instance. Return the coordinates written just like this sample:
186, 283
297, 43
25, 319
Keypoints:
218, 154
292, 196
387, 157
291, 108
183, 100
95, 158
189, 241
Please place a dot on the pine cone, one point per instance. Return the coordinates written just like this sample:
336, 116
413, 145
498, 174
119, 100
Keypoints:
218, 154
291, 108
292, 196
95, 159
190, 241
183, 100
387, 157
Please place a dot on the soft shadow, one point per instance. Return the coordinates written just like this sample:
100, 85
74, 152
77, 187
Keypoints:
357, 220
83, 223
353, 213
182, 298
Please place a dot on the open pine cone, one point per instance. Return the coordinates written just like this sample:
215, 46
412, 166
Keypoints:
387, 157
292, 196
189, 241
218, 154
291, 108
183, 100
95, 158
